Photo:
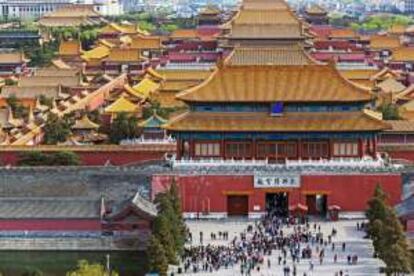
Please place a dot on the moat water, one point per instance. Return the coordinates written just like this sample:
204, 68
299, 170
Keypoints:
52, 263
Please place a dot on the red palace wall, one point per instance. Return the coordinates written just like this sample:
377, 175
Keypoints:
209, 192
50, 225
400, 152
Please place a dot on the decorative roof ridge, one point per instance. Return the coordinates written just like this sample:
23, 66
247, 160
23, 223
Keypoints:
153, 116
175, 119
370, 114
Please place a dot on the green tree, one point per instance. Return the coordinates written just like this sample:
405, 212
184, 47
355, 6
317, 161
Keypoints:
389, 111
56, 130
163, 230
64, 158
32, 158
177, 218
157, 259
146, 26
396, 253
47, 101
387, 234
123, 127
19, 111
30, 272
86, 269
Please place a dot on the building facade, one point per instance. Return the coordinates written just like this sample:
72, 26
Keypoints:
27, 9
272, 129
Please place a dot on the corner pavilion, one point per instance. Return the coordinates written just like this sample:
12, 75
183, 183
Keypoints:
276, 113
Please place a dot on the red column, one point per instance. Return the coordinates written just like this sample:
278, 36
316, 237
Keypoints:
253, 152
374, 146
299, 146
179, 149
191, 149
222, 152
360, 147
330, 150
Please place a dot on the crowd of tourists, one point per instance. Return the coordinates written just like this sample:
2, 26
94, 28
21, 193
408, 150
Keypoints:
253, 249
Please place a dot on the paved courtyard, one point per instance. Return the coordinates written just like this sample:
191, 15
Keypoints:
347, 232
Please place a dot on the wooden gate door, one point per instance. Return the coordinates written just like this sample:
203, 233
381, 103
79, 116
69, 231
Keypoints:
238, 205
311, 203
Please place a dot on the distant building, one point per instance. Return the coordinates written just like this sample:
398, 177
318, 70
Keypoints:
37, 8
408, 6
30, 8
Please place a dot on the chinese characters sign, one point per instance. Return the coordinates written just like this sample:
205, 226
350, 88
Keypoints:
276, 181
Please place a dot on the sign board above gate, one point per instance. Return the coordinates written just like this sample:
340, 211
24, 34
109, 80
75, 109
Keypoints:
276, 180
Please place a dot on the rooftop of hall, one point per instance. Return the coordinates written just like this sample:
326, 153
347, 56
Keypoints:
276, 55
263, 122
259, 83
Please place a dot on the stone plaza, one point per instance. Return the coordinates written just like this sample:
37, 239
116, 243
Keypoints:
346, 233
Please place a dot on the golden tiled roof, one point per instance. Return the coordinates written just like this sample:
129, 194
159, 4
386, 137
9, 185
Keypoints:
263, 17
362, 77
400, 126
154, 74
31, 81
124, 55
178, 86
403, 54
106, 43
121, 105
391, 85
168, 99
145, 42
268, 31
307, 83
278, 55
70, 48
343, 33
145, 87
85, 123
60, 64
96, 53
384, 42
53, 72
264, 5
122, 29
264, 122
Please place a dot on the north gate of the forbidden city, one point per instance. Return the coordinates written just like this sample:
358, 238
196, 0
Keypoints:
244, 193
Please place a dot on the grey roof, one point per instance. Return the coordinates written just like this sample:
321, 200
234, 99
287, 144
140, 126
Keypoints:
48, 208
114, 183
406, 207
144, 205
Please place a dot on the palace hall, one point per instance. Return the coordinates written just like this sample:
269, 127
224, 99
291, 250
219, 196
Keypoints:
273, 130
